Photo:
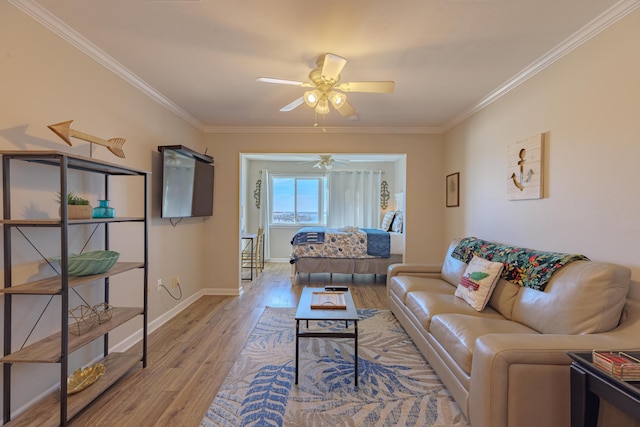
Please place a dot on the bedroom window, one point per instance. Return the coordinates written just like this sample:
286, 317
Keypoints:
298, 200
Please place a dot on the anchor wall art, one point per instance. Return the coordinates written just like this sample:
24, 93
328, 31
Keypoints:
525, 168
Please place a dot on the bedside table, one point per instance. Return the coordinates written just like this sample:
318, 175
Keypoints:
589, 384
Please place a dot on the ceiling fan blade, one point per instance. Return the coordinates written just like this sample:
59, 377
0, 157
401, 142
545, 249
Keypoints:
279, 81
293, 105
346, 110
375, 87
332, 66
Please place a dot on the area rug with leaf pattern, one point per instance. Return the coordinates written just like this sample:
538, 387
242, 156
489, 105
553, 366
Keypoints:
396, 385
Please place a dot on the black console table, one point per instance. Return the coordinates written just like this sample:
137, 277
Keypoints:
589, 384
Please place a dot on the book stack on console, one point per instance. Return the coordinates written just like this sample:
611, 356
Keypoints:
618, 363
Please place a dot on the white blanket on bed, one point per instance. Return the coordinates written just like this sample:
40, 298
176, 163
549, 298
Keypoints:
397, 243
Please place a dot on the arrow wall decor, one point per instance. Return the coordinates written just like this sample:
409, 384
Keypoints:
64, 131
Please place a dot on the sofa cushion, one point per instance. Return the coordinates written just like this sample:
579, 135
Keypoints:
425, 305
452, 269
478, 281
457, 334
503, 297
583, 297
401, 285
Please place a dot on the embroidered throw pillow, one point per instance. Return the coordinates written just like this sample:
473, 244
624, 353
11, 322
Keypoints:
478, 282
387, 220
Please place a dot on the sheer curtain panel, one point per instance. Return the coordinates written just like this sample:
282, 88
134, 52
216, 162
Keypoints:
354, 199
265, 209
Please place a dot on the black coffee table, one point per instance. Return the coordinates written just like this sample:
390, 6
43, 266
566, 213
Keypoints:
305, 312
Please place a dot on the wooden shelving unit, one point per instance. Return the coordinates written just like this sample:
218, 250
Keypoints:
48, 350
41, 414
53, 285
57, 347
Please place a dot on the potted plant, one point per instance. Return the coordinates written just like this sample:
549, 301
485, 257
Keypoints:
77, 207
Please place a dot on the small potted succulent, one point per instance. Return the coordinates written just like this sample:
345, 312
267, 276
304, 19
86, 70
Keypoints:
78, 207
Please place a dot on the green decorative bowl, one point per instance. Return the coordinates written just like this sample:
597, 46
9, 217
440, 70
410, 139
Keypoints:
88, 263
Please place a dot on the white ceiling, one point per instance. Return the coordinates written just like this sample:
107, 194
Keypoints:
448, 58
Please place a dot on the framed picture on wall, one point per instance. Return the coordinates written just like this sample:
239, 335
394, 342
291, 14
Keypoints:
453, 190
525, 168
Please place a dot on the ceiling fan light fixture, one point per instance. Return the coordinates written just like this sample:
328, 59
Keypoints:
325, 88
323, 105
326, 162
312, 97
337, 99
322, 164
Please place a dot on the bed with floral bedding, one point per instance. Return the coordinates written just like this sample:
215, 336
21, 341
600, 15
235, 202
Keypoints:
347, 250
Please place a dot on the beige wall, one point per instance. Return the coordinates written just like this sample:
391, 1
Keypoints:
424, 199
589, 105
44, 80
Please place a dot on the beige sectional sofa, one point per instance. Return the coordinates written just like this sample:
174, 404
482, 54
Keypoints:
507, 365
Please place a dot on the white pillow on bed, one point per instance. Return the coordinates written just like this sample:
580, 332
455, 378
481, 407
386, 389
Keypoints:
387, 220
398, 222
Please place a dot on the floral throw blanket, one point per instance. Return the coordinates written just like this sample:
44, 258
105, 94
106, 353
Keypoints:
524, 267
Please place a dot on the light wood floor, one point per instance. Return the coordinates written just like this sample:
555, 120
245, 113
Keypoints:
190, 356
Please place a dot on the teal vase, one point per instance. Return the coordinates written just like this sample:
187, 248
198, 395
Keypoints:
104, 210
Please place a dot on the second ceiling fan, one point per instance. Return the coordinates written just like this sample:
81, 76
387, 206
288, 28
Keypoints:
325, 161
326, 87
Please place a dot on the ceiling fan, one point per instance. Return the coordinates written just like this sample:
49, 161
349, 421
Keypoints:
325, 161
326, 87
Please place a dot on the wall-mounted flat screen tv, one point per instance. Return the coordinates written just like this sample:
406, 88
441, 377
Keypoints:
187, 182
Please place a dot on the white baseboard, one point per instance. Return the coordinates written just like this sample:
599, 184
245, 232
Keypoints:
134, 338
222, 292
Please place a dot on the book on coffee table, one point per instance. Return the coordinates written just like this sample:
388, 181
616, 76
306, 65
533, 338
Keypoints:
328, 300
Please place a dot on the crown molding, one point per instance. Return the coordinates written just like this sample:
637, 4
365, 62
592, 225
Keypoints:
322, 129
53, 23
600, 23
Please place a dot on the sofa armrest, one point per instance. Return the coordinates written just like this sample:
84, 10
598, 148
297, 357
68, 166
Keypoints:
508, 370
421, 270
494, 352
